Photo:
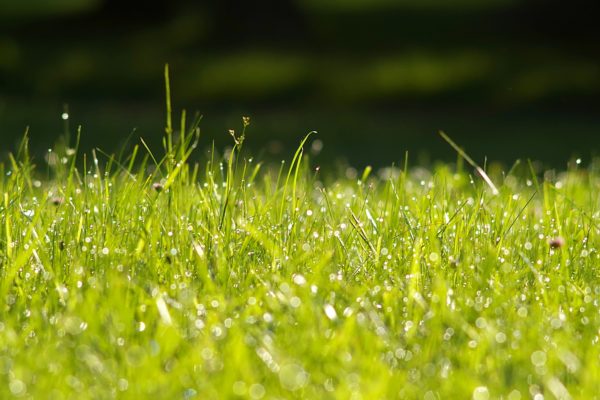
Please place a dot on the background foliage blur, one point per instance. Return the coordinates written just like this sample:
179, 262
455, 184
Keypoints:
506, 78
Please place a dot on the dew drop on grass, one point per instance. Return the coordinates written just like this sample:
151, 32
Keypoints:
292, 377
257, 391
295, 302
28, 213
330, 312
207, 353
74, 325
299, 280
481, 323
500, 337
514, 395
538, 358
189, 393
17, 387
217, 332
123, 384
268, 317
481, 393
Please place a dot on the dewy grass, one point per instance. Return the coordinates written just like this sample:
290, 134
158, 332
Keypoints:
214, 282
147, 277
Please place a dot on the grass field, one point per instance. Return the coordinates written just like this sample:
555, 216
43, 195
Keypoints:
143, 276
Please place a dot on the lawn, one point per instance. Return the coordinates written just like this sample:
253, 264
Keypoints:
146, 275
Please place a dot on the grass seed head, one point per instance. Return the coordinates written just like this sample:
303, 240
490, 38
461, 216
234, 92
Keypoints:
557, 242
56, 201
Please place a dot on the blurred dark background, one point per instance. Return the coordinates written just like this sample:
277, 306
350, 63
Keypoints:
507, 79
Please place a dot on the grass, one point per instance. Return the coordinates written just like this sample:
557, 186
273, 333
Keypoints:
140, 276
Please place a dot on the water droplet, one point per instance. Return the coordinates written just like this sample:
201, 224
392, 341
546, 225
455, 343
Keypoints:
65, 116
28, 213
257, 391
217, 332
299, 280
330, 312
73, 325
481, 323
295, 302
481, 393
189, 393
500, 337
268, 317
17, 387
292, 377
123, 384
538, 358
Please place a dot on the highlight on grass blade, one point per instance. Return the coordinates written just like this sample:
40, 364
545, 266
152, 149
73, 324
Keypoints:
468, 159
